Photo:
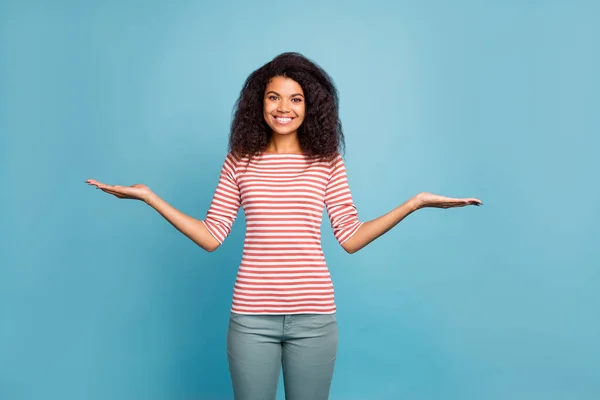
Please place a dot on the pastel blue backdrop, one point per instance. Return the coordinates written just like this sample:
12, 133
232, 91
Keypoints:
101, 298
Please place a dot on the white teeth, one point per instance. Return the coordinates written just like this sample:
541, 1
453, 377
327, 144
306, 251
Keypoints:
283, 120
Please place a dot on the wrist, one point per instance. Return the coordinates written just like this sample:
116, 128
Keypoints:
149, 198
416, 203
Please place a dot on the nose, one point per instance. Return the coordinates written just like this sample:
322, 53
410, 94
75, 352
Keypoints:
283, 106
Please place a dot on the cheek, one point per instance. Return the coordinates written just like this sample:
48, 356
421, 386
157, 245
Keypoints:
301, 111
265, 108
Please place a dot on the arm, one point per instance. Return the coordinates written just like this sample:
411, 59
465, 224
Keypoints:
209, 233
371, 230
189, 226
353, 234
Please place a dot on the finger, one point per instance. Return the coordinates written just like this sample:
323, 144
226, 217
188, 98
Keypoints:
98, 185
112, 191
473, 201
120, 195
449, 202
114, 188
454, 204
117, 194
103, 185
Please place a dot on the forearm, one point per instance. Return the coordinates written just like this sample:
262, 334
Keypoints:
371, 230
189, 226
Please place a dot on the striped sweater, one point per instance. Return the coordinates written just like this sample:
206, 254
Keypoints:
283, 269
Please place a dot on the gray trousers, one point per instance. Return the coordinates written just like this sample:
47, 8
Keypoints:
258, 346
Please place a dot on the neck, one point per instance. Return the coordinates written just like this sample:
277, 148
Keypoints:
287, 144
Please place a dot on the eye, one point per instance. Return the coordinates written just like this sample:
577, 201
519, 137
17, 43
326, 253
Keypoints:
272, 97
297, 100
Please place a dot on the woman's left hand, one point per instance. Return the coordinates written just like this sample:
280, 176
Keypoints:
425, 199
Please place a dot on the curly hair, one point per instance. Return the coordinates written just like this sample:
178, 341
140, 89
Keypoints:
320, 135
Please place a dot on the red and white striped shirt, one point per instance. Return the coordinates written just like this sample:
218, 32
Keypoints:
283, 269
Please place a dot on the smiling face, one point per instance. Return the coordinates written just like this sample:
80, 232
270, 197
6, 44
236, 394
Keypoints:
284, 106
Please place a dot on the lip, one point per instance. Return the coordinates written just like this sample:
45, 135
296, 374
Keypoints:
283, 116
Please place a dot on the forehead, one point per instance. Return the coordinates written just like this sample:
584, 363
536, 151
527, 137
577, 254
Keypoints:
284, 86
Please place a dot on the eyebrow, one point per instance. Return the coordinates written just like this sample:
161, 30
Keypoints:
274, 92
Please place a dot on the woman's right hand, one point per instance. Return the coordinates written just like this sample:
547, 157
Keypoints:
189, 226
136, 192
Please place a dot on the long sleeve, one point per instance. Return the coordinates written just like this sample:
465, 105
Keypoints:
338, 200
226, 202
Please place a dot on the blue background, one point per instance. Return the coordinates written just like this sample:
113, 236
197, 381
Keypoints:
101, 298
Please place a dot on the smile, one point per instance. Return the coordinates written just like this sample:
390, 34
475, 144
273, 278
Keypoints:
283, 120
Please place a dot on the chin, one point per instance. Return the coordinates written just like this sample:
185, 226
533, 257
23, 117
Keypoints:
287, 130
284, 132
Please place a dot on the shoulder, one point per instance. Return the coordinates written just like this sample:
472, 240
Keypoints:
232, 157
231, 162
336, 161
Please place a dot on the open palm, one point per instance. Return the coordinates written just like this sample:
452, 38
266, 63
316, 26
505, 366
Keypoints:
136, 192
426, 199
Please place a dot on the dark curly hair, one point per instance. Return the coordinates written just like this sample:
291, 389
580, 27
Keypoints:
320, 134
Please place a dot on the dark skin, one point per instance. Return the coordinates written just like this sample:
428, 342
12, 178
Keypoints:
284, 111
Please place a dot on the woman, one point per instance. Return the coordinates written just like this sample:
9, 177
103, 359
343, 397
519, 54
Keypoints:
283, 167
